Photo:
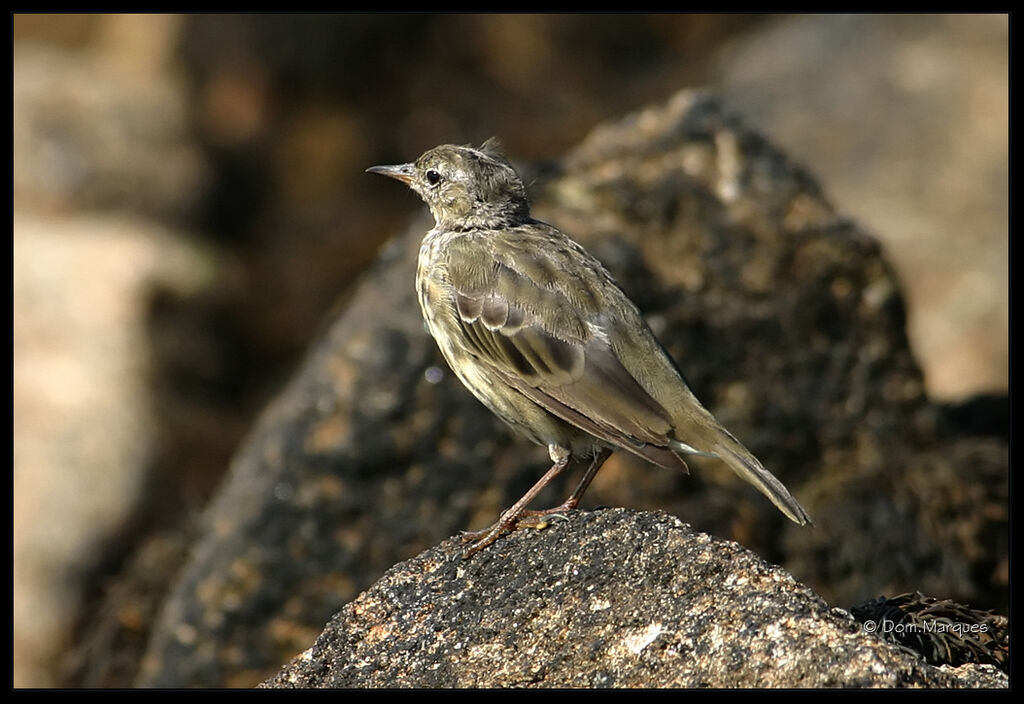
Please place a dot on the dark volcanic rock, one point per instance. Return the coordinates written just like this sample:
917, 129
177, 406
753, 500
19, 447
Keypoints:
613, 598
788, 323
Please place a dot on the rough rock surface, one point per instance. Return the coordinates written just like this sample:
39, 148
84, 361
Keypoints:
787, 321
610, 598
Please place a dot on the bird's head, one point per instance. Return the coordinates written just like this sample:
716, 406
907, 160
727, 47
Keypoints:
465, 187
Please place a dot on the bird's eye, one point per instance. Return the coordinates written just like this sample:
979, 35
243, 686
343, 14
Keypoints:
433, 177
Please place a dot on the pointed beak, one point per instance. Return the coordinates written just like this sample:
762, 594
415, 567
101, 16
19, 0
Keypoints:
401, 172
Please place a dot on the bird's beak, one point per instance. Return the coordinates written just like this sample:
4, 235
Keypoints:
401, 172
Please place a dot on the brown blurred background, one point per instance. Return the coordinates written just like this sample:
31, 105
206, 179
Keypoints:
190, 203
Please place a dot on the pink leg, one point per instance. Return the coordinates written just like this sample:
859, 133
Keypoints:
511, 518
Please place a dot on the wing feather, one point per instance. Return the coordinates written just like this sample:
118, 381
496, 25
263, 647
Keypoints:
549, 353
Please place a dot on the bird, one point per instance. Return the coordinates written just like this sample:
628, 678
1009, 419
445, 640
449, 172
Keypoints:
539, 331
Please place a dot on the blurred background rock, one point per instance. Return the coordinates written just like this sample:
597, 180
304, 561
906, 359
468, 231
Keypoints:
190, 203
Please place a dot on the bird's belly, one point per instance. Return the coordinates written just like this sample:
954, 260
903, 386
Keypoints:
508, 404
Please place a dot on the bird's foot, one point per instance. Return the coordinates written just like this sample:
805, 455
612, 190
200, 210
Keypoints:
509, 522
482, 538
541, 519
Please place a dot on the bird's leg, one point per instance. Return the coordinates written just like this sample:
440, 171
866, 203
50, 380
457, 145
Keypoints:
510, 518
536, 518
518, 516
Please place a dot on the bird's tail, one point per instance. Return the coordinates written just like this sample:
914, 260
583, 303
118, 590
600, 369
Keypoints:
732, 452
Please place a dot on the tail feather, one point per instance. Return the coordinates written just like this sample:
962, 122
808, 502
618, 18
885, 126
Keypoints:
748, 467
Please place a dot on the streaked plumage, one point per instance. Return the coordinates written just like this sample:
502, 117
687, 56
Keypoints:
539, 331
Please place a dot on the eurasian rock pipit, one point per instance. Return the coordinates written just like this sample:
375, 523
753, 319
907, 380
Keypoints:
539, 331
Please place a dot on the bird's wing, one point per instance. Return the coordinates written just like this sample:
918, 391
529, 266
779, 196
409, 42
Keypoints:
533, 325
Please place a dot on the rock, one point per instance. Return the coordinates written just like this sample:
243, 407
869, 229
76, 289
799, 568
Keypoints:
787, 321
910, 132
611, 598
84, 434
104, 162
95, 134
